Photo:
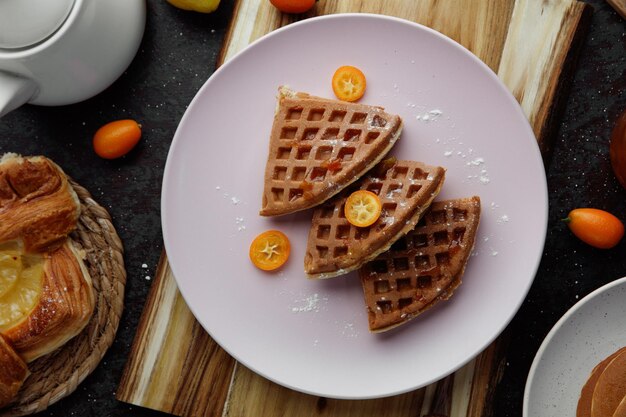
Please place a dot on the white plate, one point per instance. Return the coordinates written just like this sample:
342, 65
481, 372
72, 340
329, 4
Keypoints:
588, 333
309, 335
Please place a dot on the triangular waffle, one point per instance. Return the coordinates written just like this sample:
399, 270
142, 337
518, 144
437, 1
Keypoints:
320, 146
422, 268
405, 189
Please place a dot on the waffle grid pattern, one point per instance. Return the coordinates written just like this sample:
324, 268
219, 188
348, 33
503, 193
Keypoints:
422, 266
334, 243
318, 146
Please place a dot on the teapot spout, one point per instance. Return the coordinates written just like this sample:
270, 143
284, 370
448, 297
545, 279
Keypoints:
14, 91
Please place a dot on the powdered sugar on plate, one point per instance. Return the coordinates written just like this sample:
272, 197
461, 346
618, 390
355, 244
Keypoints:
235, 201
239, 222
429, 116
479, 170
308, 304
348, 329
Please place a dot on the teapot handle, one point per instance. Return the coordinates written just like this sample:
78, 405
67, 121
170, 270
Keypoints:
14, 91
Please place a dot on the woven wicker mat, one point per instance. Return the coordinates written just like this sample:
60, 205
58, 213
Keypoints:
57, 375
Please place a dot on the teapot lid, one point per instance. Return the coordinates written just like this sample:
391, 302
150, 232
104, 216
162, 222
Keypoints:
26, 23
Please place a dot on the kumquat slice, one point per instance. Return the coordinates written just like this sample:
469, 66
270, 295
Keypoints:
270, 250
362, 208
349, 83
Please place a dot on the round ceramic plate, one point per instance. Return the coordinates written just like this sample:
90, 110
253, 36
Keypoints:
311, 335
588, 333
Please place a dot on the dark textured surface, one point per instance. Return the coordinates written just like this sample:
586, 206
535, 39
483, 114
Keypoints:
178, 54
579, 175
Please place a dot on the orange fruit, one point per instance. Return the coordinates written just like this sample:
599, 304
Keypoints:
293, 6
270, 250
116, 138
21, 283
362, 208
595, 227
349, 83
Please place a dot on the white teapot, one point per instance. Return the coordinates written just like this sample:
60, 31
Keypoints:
57, 52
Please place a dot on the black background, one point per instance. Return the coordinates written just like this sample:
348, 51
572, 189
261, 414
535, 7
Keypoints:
179, 52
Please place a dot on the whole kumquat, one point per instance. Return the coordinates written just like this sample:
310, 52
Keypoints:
116, 139
293, 6
595, 227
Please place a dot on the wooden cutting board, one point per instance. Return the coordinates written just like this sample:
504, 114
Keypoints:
174, 366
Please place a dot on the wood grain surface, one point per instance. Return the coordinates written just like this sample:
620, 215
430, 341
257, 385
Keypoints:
174, 366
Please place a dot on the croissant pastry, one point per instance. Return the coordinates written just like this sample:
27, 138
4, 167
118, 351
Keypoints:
37, 204
46, 292
54, 299
13, 372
